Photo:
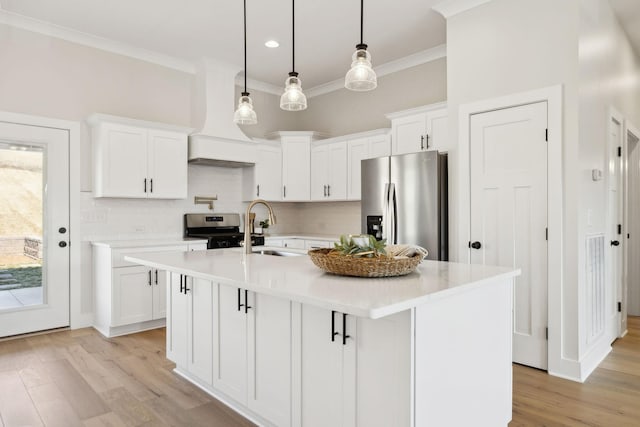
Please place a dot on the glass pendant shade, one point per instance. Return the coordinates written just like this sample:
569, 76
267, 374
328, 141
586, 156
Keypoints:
245, 115
361, 76
293, 99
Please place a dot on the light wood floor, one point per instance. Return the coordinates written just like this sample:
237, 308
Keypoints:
76, 378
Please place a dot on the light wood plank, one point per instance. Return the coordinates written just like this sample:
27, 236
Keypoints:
16, 407
53, 407
109, 419
131, 411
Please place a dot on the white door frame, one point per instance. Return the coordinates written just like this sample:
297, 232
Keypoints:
627, 128
76, 317
553, 96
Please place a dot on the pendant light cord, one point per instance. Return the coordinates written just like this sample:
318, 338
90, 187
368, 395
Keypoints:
293, 36
245, 46
361, 21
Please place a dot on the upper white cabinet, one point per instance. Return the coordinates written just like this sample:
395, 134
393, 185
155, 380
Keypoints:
296, 164
329, 171
366, 147
419, 129
264, 180
138, 159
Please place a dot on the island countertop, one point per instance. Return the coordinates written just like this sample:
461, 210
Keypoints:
298, 279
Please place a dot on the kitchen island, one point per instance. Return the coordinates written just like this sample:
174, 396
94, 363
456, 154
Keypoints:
286, 344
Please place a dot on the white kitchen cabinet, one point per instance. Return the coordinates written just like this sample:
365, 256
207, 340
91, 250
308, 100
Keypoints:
317, 244
177, 318
337, 386
419, 129
293, 243
252, 351
138, 159
296, 163
329, 171
129, 298
264, 180
359, 149
274, 242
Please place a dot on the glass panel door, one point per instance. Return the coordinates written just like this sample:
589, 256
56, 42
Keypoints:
34, 218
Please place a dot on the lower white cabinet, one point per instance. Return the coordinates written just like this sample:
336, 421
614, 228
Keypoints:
127, 297
363, 379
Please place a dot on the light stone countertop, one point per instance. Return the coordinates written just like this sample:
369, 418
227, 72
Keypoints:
298, 279
141, 243
306, 236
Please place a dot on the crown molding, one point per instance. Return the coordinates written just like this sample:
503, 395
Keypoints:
78, 37
449, 8
413, 60
260, 85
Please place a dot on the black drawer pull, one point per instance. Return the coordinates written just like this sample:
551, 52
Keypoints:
246, 301
344, 329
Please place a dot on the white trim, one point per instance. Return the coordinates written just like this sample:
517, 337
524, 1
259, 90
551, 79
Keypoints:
260, 85
449, 8
409, 61
558, 365
294, 133
358, 135
74, 36
77, 319
98, 118
417, 110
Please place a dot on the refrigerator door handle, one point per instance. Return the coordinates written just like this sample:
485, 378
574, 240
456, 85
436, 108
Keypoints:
385, 214
392, 215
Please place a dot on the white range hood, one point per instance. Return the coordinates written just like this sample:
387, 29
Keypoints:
218, 141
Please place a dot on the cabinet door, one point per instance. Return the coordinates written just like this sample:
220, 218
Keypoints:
337, 171
200, 329
269, 354
132, 295
296, 163
159, 294
438, 130
319, 170
379, 146
358, 151
177, 315
384, 347
293, 243
408, 134
167, 170
315, 244
120, 161
322, 370
274, 242
230, 343
268, 172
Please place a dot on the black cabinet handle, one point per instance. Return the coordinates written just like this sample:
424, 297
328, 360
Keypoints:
328, 191
240, 305
344, 329
149, 277
615, 243
258, 190
145, 185
427, 141
422, 142
475, 245
325, 190
156, 277
152, 185
185, 286
333, 326
246, 301
181, 285
284, 191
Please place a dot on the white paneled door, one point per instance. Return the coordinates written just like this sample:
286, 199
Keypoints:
613, 245
34, 228
508, 152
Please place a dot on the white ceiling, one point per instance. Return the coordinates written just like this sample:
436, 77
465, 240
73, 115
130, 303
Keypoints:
326, 30
628, 13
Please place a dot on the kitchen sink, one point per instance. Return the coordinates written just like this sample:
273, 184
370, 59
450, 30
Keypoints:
278, 253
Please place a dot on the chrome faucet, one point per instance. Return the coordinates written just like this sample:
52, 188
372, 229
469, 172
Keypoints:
247, 223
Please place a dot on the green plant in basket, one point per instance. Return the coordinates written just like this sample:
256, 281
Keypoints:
360, 246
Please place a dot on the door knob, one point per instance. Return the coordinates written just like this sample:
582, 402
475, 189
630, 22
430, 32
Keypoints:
475, 245
62, 230
62, 244
615, 243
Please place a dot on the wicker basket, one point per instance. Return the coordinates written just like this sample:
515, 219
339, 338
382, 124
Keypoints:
363, 267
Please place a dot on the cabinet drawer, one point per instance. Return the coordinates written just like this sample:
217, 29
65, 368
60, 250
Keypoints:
117, 257
293, 243
278, 243
315, 244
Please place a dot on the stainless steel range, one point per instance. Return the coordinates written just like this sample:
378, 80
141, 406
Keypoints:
220, 230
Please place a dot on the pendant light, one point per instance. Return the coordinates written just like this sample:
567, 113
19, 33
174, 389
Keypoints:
361, 76
293, 99
245, 115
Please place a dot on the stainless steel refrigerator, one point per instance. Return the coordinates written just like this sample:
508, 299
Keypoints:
405, 200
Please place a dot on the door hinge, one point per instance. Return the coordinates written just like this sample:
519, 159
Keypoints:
546, 333
619, 228
546, 135
619, 151
546, 234
619, 307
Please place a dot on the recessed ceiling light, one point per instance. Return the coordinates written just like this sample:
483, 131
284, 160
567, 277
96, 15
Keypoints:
272, 44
